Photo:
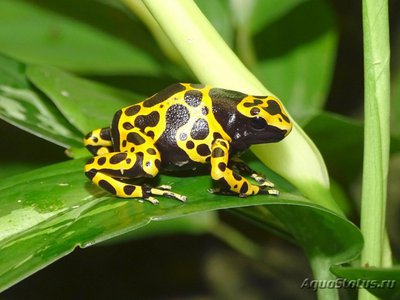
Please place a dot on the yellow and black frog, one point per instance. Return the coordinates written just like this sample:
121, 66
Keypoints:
180, 128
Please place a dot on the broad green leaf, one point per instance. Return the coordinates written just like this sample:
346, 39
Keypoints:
193, 224
36, 35
267, 12
86, 104
383, 283
340, 140
342, 151
29, 110
322, 235
317, 230
296, 57
46, 213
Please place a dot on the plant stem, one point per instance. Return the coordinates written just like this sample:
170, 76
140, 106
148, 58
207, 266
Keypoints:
376, 132
320, 267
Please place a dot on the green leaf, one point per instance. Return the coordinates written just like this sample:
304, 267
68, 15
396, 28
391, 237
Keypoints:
322, 239
36, 35
317, 230
312, 236
383, 283
46, 213
267, 12
29, 110
193, 224
296, 56
342, 151
86, 104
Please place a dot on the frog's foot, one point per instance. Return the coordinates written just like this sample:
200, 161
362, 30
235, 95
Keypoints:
268, 191
163, 190
266, 186
164, 187
262, 190
263, 181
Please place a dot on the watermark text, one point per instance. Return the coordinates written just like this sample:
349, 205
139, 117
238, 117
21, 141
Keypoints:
342, 283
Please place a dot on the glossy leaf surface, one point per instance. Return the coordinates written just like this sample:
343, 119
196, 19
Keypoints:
86, 104
23, 106
34, 34
46, 213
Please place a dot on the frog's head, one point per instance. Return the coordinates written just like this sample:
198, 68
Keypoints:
266, 120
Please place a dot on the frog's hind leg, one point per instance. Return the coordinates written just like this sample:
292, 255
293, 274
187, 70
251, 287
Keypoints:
98, 141
108, 171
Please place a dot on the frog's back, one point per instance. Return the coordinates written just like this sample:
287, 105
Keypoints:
180, 121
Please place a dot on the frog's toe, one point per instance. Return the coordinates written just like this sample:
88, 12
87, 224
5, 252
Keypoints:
167, 193
214, 190
273, 192
176, 196
267, 184
164, 187
152, 200
264, 182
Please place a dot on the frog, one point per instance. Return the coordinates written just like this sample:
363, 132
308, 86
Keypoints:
181, 128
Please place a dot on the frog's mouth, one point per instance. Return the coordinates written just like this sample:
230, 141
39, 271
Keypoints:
271, 134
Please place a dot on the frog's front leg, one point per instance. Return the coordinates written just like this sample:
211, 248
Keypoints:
239, 165
228, 180
108, 170
98, 141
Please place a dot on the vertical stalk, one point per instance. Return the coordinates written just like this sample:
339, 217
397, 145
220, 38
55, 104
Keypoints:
376, 132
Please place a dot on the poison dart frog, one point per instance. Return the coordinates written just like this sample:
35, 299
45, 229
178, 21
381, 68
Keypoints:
181, 128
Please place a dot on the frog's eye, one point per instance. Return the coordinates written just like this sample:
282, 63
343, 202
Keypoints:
258, 123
